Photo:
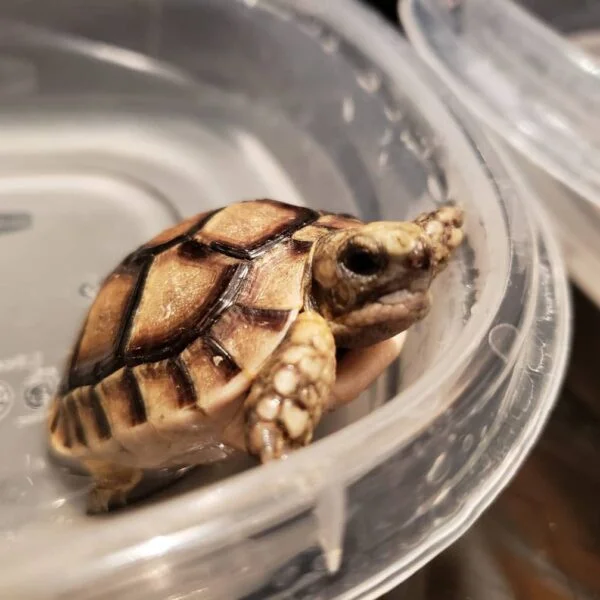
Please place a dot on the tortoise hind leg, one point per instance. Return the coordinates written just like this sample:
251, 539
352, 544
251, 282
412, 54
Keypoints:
288, 396
112, 485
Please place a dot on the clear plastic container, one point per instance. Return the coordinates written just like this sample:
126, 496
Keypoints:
531, 72
119, 119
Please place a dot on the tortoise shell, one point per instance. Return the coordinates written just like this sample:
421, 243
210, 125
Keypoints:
179, 330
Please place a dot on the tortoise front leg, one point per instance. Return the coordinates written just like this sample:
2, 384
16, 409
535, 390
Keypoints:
290, 393
112, 484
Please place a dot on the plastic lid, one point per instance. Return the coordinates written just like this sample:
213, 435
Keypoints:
536, 89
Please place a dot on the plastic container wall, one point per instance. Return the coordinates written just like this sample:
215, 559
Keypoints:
126, 117
536, 83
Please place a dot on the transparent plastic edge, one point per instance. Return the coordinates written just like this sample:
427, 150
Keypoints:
100, 51
567, 166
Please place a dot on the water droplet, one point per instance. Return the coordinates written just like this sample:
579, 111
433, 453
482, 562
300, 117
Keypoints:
311, 27
88, 289
383, 159
434, 185
468, 442
537, 355
410, 142
441, 496
330, 43
251, 3
369, 81
521, 403
387, 137
38, 395
275, 9
427, 152
392, 113
58, 502
439, 469
348, 109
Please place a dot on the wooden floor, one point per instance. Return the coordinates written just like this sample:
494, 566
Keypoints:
541, 538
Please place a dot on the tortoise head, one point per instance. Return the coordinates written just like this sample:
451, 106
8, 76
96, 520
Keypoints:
372, 281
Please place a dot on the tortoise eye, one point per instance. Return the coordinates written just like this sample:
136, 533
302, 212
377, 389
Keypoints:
363, 262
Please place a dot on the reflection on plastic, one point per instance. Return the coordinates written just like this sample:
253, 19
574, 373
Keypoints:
534, 88
541, 539
331, 516
29, 495
15, 221
502, 340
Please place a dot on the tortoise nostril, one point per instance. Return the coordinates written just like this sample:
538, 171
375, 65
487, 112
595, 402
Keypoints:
420, 257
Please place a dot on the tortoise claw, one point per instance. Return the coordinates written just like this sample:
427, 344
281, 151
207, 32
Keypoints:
112, 485
98, 501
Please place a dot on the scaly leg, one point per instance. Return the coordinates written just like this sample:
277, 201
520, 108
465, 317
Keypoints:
112, 484
288, 396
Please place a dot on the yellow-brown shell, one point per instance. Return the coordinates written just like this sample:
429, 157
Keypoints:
183, 325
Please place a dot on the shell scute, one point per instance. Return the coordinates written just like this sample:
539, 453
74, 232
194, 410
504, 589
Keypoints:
214, 373
209, 369
246, 228
119, 396
128, 415
178, 293
161, 386
80, 424
92, 416
250, 335
276, 280
106, 319
59, 425
177, 232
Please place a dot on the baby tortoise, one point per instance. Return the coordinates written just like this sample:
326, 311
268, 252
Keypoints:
221, 332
